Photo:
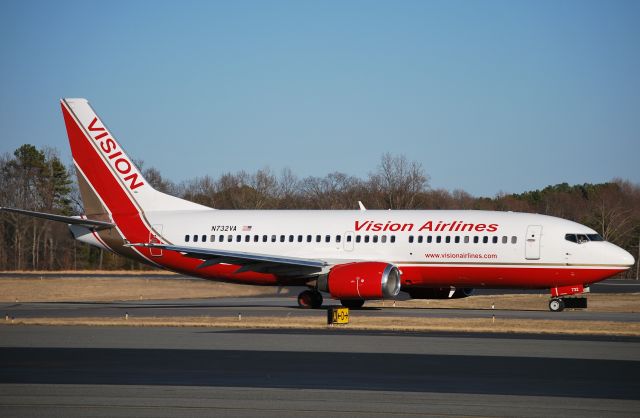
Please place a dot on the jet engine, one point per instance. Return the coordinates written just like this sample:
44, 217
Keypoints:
365, 280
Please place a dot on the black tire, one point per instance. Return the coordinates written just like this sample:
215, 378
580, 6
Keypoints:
556, 305
310, 299
352, 303
317, 299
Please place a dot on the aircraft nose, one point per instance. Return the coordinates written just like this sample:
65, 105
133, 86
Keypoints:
625, 258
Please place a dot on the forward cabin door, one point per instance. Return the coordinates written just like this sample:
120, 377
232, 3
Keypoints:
153, 239
348, 241
532, 242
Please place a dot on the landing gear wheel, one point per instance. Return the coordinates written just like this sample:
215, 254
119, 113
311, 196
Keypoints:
310, 299
556, 305
352, 303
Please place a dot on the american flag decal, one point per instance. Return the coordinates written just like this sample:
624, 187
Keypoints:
246, 228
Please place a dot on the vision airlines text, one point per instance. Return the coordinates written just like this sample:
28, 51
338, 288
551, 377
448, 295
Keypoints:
429, 226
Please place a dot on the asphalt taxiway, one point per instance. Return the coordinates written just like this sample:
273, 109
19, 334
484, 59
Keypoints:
276, 307
285, 305
113, 371
128, 371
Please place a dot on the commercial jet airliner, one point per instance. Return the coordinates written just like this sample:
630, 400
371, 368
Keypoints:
352, 255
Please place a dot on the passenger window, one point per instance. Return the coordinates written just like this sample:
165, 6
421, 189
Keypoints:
281, 238
318, 238
494, 240
348, 238
238, 238
290, 238
338, 238
195, 238
514, 239
308, 238
230, 238
204, 238
429, 239
186, 238
221, 238
438, 239
505, 239
383, 239
256, 238
366, 238
466, 239
457, 239
375, 238
476, 239
393, 238
264, 238
247, 238
447, 239
420, 238
273, 238
410, 239
212, 238
358, 238
327, 238
485, 239
299, 238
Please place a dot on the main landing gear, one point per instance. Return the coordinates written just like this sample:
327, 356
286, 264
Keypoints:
310, 299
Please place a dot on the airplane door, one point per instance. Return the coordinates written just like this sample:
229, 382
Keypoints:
153, 239
532, 242
348, 241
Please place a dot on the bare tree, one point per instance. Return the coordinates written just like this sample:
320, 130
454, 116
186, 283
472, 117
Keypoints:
398, 183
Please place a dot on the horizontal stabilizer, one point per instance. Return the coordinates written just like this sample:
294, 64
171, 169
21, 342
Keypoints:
73, 220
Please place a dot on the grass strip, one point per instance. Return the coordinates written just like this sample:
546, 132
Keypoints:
395, 324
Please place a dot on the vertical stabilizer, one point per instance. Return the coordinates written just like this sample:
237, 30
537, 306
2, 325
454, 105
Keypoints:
113, 189
109, 180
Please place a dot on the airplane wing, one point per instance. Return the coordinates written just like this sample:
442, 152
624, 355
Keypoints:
74, 220
284, 266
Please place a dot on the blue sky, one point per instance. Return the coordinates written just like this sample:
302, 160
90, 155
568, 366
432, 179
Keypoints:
489, 96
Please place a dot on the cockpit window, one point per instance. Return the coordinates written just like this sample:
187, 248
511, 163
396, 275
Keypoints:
582, 238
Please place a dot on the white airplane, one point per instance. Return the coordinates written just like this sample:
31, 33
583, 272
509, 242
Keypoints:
353, 255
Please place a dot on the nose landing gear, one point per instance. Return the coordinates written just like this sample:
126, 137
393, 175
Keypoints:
556, 305
558, 302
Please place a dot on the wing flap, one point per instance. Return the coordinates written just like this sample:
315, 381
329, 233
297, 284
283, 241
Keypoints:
263, 263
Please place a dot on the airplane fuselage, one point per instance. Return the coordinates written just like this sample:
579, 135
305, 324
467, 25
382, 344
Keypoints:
431, 248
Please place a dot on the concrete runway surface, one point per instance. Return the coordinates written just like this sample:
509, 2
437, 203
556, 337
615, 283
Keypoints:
113, 371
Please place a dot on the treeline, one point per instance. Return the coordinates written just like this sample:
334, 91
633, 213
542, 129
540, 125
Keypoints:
37, 180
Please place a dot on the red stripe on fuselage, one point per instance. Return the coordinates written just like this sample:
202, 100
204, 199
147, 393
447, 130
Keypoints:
496, 277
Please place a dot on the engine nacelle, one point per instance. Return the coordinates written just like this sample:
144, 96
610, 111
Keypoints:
439, 293
365, 280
